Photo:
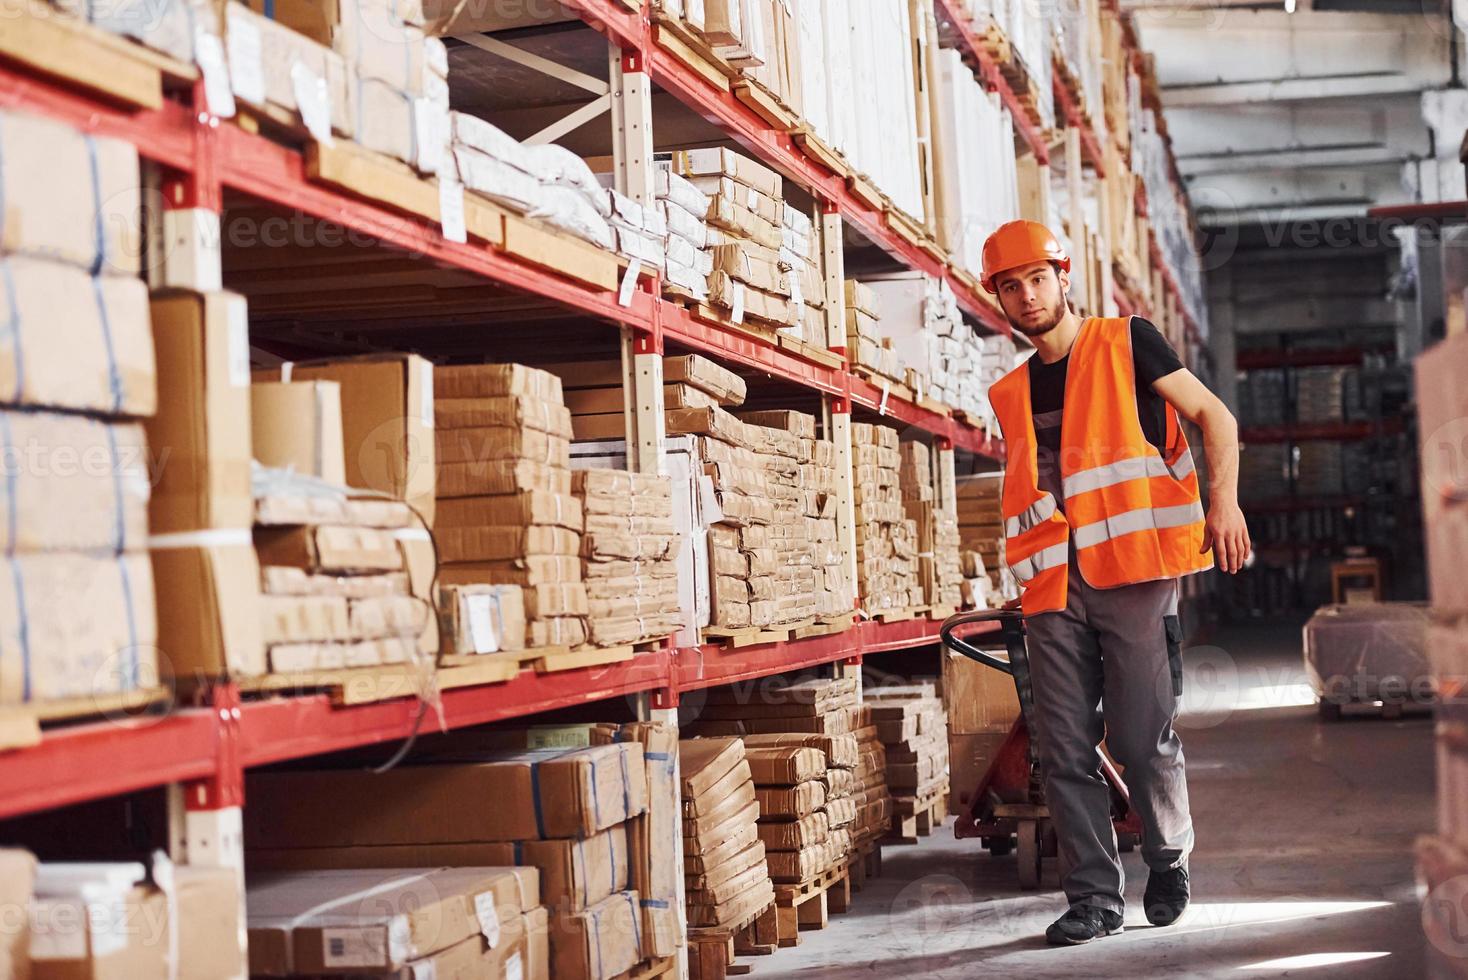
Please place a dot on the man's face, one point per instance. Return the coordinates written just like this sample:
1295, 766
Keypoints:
1033, 297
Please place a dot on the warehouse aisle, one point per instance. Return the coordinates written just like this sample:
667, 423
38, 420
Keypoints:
1304, 849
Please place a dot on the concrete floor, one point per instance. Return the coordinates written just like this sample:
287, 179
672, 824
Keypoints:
1304, 837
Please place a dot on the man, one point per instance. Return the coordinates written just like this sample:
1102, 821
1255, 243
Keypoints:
1102, 516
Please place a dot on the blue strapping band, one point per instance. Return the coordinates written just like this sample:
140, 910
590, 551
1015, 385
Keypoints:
595, 916
656, 903
270, 9
519, 848
612, 860
24, 630
99, 228
133, 680
114, 377
626, 793
17, 349
636, 925
595, 796
581, 873
535, 796
658, 756
119, 522
12, 475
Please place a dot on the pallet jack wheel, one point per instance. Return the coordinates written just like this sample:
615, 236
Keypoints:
1028, 837
1329, 710
999, 846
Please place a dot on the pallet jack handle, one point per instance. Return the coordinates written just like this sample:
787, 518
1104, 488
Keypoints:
1011, 634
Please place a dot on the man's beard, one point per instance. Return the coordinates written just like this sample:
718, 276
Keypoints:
1041, 326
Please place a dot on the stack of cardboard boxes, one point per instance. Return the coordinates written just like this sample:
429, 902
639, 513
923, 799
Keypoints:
596, 396
78, 374
873, 799
506, 514
119, 919
762, 266
886, 539
629, 555
406, 922
688, 262
640, 231
334, 579
865, 346
937, 528
913, 728
569, 814
790, 784
981, 530
726, 879
981, 706
786, 441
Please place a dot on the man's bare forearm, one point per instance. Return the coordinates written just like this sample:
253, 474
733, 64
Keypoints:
1221, 448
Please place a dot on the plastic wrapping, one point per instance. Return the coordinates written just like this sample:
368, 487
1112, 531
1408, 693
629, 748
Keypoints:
1368, 651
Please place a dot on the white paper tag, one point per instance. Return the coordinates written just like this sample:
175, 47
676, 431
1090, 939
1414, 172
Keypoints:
489, 919
629, 283
797, 294
314, 102
209, 52
451, 209
514, 968
882, 405
239, 344
752, 200
482, 633
431, 126
353, 947
246, 72
737, 315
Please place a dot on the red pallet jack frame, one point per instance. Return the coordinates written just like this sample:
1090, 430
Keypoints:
1007, 809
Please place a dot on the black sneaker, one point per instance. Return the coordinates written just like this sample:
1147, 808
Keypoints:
1166, 896
1083, 924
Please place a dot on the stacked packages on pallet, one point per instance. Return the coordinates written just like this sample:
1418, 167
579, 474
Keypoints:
640, 231
913, 728
684, 210
974, 165
817, 487
795, 820
937, 528
765, 268
873, 798
865, 346
629, 555
725, 877
1027, 28
597, 397
334, 576
981, 532
78, 617
886, 540
568, 816
506, 514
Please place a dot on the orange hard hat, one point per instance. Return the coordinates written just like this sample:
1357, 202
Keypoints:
1018, 243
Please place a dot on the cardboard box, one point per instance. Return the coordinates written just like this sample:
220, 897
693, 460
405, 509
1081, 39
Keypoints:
705, 761
730, 788
92, 926
702, 856
202, 444
208, 607
497, 381
298, 426
482, 619
724, 162
79, 343
387, 423
75, 483
840, 750
350, 921
976, 698
524, 411
65, 648
560, 632
785, 766
506, 796
600, 942
66, 193
262, 56
500, 476
792, 802
529, 570
802, 865
690, 369
476, 445
529, 507
969, 758
480, 544
574, 874
328, 548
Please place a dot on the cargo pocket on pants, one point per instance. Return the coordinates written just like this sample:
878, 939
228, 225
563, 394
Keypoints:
1174, 630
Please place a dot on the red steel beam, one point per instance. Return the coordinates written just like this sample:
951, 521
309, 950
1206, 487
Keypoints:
1090, 146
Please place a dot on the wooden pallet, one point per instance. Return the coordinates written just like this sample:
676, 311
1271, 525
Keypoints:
369, 685
651, 969
894, 386
20, 725
748, 636
865, 862
550, 660
826, 626
915, 817
712, 951
809, 905
899, 615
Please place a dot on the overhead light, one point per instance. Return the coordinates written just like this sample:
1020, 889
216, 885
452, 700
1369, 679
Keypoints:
1289, 6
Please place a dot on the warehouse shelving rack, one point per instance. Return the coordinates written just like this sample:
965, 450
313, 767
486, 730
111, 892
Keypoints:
201, 751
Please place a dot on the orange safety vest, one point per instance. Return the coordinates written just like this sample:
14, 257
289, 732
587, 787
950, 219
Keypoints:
1136, 513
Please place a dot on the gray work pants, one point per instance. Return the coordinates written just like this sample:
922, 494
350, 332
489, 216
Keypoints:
1110, 657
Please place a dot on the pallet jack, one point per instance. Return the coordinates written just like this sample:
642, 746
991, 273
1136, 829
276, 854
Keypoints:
1007, 809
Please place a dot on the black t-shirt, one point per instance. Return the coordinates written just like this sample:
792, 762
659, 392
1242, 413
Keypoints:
1152, 358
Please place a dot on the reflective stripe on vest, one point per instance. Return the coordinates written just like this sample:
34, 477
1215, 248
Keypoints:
1132, 521
1027, 568
1040, 510
1136, 468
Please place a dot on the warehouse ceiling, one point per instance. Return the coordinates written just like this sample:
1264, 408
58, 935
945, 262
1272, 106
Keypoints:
1315, 114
